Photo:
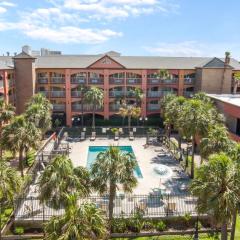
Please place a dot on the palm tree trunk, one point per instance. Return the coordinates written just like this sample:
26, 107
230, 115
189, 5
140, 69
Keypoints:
129, 122
224, 234
112, 194
235, 88
234, 220
179, 142
193, 150
82, 111
1, 151
93, 121
21, 161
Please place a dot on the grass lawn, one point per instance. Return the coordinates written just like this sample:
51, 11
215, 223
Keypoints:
237, 232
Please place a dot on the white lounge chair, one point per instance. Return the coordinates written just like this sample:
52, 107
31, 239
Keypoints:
116, 136
83, 136
93, 137
131, 137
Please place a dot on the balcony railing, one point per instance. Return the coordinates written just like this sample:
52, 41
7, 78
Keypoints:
130, 94
42, 80
134, 81
113, 80
116, 93
78, 80
58, 80
114, 107
86, 108
153, 107
154, 94
58, 94
76, 94
188, 93
162, 81
95, 81
165, 93
44, 93
170, 81
59, 107
189, 80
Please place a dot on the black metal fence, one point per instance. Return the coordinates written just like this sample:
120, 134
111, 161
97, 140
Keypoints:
152, 206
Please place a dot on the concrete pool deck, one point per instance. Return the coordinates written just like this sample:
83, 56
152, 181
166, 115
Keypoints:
147, 159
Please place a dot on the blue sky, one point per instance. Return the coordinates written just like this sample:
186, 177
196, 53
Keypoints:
132, 27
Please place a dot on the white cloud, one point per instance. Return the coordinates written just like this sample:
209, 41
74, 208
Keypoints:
192, 49
2, 10
70, 34
7, 4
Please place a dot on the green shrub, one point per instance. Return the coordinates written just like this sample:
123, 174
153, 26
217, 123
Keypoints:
8, 212
19, 230
30, 157
136, 223
161, 226
148, 225
119, 225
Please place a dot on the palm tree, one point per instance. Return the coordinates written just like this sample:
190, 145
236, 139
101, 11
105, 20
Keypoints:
130, 111
226, 65
94, 96
9, 183
164, 102
83, 89
7, 112
61, 178
219, 180
84, 222
217, 140
236, 79
20, 136
111, 168
173, 111
195, 120
39, 112
138, 93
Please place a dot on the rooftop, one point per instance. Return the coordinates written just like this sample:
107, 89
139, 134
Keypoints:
130, 62
233, 99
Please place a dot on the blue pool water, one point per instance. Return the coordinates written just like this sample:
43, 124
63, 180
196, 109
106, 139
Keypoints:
93, 151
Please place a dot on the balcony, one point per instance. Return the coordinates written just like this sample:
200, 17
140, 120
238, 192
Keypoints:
78, 80
188, 94
130, 94
153, 107
116, 81
170, 81
44, 93
162, 81
114, 107
58, 94
58, 80
134, 81
42, 80
86, 108
95, 81
59, 107
189, 80
76, 94
154, 81
116, 93
154, 94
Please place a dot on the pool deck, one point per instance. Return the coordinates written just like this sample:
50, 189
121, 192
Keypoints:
146, 195
147, 159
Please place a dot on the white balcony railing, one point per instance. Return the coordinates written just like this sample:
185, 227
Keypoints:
134, 81
58, 94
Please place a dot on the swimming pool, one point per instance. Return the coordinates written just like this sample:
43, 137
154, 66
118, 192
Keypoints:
93, 151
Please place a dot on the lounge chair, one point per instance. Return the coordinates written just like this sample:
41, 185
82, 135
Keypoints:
93, 137
116, 136
131, 137
83, 136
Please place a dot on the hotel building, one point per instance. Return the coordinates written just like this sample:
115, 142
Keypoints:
59, 77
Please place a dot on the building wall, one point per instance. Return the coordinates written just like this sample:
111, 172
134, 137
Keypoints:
210, 80
24, 82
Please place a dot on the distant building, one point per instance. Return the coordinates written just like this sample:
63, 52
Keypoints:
59, 76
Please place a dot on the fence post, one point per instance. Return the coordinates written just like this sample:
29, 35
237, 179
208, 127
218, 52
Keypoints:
43, 217
0, 221
167, 204
196, 231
